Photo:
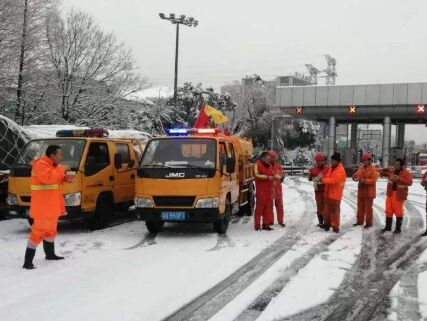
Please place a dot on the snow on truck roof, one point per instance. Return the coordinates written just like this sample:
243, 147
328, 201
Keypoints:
49, 131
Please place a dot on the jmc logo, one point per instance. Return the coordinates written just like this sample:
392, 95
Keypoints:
175, 175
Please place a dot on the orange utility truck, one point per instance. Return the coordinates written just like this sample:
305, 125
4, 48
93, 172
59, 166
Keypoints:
197, 175
105, 175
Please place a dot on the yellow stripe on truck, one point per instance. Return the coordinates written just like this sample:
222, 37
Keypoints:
45, 187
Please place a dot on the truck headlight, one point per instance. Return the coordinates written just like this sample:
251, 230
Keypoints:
73, 199
211, 202
12, 199
143, 202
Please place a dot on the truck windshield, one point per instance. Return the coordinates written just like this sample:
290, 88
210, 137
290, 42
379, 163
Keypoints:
72, 150
180, 153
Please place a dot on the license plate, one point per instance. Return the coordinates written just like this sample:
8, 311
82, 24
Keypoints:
172, 216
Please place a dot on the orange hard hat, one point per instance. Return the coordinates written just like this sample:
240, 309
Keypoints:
366, 156
272, 153
319, 157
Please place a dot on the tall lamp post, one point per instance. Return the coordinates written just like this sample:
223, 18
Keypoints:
178, 20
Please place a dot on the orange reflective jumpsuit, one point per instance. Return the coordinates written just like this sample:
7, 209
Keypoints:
278, 193
264, 194
334, 183
47, 200
397, 192
367, 177
319, 190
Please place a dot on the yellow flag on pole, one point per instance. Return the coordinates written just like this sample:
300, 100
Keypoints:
217, 116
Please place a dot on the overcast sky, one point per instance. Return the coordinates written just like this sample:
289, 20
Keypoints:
374, 41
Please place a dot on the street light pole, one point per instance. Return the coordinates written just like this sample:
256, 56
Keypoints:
175, 83
181, 20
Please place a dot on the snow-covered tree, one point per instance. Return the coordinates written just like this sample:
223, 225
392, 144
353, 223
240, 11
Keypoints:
92, 70
189, 99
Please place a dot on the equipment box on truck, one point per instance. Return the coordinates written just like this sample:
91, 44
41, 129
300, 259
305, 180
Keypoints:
105, 175
199, 175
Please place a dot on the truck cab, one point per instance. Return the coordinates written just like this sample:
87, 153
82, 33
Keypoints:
105, 175
199, 175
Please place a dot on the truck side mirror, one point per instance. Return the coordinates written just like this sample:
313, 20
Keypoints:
118, 161
90, 165
231, 165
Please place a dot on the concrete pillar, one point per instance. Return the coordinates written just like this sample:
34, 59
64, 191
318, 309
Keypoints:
386, 141
332, 137
353, 136
400, 135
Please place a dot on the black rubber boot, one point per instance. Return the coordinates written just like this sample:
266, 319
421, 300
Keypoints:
49, 250
29, 256
399, 221
326, 227
320, 218
388, 223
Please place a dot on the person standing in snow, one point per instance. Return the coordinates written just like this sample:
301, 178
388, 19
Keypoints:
47, 203
316, 173
424, 183
264, 178
399, 179
334, 183
367, 176
279, 176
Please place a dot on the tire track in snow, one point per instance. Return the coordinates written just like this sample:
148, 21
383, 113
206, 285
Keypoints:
255, 309
147, 240
210, 302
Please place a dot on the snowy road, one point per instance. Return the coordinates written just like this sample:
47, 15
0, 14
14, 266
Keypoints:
188, 272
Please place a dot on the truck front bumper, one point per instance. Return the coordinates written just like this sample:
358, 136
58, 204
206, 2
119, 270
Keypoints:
73, 212
192, 215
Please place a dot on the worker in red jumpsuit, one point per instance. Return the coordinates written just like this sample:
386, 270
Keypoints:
279, 176
399, 179
366, 176
316, 173
264, 178
424, 183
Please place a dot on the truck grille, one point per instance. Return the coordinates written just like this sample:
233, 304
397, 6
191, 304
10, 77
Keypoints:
172, 201
26, 199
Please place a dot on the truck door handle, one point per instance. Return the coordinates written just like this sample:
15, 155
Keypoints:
132, 176
111, 178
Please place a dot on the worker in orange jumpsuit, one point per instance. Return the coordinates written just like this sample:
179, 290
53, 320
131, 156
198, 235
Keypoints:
334, 187
279, 176
316, 172
424, 183
264, 178
397, 192
47, 203
367, 176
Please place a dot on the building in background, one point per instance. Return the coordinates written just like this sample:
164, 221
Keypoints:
296, 79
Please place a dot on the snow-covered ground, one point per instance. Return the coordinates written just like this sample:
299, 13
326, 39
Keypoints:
188, 272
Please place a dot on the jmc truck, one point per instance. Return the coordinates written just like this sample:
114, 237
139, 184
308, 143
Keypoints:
199, 175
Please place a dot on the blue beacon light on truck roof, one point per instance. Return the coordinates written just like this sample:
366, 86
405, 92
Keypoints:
186, 132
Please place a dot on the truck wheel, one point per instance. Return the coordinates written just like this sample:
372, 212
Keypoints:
103, 213
221, 225
154, 227
248, 209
